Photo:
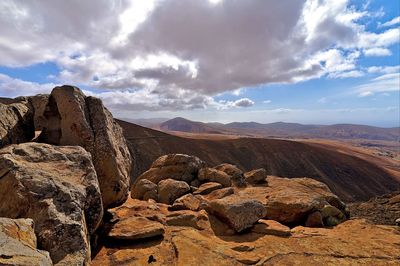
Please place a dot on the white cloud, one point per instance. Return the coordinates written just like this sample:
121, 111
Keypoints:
244, 102
390, 23
377, 51
381, 84
10, 87
267, 101
384, 69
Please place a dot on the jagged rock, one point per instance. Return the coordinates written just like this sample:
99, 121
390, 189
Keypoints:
238, 213
144, 189
198, 220
180, 167
39, 105
18, 244
257, 176
71, 118
57, 187
314, 219
169, 190
16, 122
208, 187
133, 228
220, 193
207, 174
189, 201
235, 173
271, 227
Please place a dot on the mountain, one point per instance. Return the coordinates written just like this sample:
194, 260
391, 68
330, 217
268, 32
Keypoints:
349, 176
185, 125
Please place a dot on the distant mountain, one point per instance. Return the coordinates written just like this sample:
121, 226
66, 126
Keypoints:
147, 122
282, 129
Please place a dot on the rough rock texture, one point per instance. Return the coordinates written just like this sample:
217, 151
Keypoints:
169, 190
220, 193
271, 227
238, 213
212, 175
198, 220
136, 228
18, 244
144, 189
189, 201
176, 166
71, 118
207, 188
257, 176
16, 122
39, 105
57, 187
235, 173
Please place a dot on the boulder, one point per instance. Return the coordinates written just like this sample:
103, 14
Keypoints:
180, 167
206, 188
16, 122
134, 228
198, 220
207, 174
18, 244
169, 190
235, 173
257, 176
331, 215
71, 118
314, 219
189, 201
144, 189
57, 187
220, 193
39, 105
397, 221
239, 213
271, 227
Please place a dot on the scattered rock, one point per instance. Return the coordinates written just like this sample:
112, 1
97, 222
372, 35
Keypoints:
198, 220
257, 176
208, 187
236, 174
314, 219
144, 189
207, 174
271, 227
190, 202
57, 187
220, 193
18, 244
169, 190
133, 228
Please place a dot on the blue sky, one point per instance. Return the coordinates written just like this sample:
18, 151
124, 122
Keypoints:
317, 62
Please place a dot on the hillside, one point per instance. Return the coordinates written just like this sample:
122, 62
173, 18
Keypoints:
350, 177
184, 125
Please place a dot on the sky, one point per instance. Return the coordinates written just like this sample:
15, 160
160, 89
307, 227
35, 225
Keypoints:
304, 61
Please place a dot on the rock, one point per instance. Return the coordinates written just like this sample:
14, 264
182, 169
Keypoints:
169, 190
208, 187
71, 118
133, 228
195, 183
397, 221
314, 219
57, 187
16, 122
18, 244
198, 220
257, 176
235, 173
271, 227
190, 202
238, 213
212, 175
39, 105
220, 193
144, 189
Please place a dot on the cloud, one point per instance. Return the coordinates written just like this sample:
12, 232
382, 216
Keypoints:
244, 102
390, 23
381, 84
10, 87
377, 51
267, 101
384, 69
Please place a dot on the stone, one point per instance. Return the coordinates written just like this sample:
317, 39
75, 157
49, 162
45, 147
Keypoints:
397, 221
271, 227
18, 245
189, 201
257, 176
198, 220
207, 174
71, 118
39, 104
16, 122
144, 189
238, 213
314, 219
180, 167
206, 188
57, 187
220, 193
169, 190
134, 228
235, 173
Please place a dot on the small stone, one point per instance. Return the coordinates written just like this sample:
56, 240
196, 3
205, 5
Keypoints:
257, 176
189, 201
243, 248
397, 221
208, 187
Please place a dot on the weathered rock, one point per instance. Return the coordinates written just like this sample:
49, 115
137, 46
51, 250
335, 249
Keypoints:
238, 213
397, 221
133, 228
257, 176
331, 215
57, 187
71, 118
198, 220
190, 202
207, 174
169, 190
235, 173
144, 189
39, 105
16, 122
18, 244
314, 219
271, 227
207, 188
220, 193
180, 167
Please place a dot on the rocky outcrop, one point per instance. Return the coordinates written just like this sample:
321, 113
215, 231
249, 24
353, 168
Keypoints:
169, 190
71, 118
57, 187
236, 174
18, 245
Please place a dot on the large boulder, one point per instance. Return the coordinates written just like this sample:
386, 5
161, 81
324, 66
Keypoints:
180, 167
236, 174
257, 176
207, 174
144, 189
169, 190
18, 245
57, 187
71, 118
